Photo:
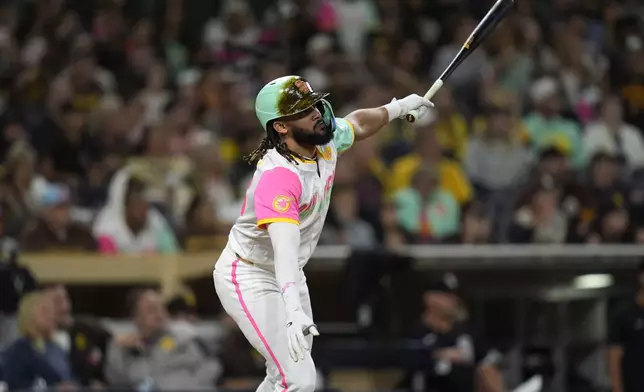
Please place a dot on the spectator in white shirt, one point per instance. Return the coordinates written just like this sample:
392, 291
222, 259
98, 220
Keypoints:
127, 224
612, 135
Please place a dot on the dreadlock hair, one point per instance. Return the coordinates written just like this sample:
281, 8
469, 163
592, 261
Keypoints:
272, 140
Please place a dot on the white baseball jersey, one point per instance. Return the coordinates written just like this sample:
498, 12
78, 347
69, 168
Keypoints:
282, 191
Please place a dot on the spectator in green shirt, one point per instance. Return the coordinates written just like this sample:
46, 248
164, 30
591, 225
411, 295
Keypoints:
425, 210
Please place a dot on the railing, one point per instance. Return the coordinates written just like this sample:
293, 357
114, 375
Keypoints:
170, 271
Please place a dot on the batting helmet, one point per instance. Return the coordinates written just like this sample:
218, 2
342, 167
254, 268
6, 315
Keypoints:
287, 96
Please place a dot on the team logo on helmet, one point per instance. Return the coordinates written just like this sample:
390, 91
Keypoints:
295, 96
303, 86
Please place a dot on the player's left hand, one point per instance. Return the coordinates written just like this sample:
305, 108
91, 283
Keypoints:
299, 325
413, 102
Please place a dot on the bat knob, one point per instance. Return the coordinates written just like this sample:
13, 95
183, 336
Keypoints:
311, 330
410, 118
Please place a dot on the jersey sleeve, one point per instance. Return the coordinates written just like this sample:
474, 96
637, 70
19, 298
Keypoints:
277, 197
344, 135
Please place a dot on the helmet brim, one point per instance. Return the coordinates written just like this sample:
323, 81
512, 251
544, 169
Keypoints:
289, 104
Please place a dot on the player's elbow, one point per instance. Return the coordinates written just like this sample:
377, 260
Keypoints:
360, 124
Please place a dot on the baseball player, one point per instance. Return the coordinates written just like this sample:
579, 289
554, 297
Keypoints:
258, 277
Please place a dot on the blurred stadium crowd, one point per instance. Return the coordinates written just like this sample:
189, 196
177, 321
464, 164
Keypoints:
124, 126
124, 123
164, 350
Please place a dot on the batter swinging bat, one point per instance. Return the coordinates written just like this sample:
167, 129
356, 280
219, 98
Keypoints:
482, 30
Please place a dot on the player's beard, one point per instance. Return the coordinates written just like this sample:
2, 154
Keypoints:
312, 137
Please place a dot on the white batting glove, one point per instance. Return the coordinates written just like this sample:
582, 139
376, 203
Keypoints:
400, 108
298, 326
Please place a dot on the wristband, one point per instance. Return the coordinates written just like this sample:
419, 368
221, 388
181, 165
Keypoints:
394, 110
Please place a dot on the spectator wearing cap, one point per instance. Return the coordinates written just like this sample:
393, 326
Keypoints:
629, 70
626, 342
612, 225
506, 101
182, 310
426, 210
553, 170
604, 191
156, 354
540, 220
553, 161
461, 360
476, 227
612, 135
55, 231
428, 153
546, 125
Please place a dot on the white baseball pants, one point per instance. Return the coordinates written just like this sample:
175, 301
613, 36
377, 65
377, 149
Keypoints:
251, 296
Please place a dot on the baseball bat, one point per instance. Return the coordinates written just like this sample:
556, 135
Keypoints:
481, 31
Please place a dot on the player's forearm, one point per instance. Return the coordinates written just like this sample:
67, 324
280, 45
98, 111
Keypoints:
367, 122
285, 238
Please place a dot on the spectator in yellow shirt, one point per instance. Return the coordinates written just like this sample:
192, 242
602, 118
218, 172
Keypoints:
428, 153
450, 126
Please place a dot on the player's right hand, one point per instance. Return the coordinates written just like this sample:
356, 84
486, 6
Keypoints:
413, 102
299, 325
